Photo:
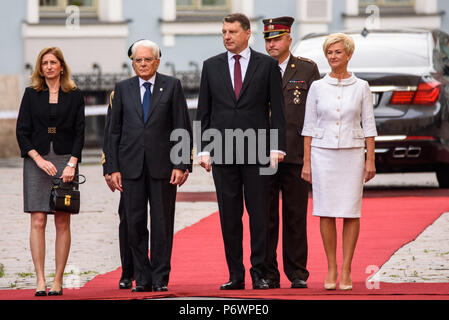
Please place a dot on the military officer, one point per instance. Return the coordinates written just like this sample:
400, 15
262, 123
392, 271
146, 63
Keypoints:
297, 75
125, 251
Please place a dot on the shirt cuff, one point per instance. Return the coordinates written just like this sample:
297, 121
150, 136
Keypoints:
204, 153
279, 151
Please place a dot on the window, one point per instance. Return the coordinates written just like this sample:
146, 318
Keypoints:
388, 3
202, 6
393, 6
58, 7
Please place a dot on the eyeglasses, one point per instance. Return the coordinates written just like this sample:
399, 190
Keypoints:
147, 60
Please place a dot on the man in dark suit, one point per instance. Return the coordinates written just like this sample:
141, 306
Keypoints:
147, 109
297, 76
126, 278
239, 89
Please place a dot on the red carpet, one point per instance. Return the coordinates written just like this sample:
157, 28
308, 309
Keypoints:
199, 267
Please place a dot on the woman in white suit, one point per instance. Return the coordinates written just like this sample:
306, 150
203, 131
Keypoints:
339, 120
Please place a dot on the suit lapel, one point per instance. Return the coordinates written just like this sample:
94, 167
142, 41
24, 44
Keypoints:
135, 95
289, 71
227, 75
252, 66
158, 90
62, 99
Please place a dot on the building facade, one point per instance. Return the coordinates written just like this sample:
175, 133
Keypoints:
94, 36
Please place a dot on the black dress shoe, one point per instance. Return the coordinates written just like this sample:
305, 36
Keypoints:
55, 293
142, 289
273, 284
40, 293
233, 285
160, 288
299, 284
125, 283
260, 284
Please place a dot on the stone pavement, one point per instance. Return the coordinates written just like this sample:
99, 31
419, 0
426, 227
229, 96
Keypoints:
95, 248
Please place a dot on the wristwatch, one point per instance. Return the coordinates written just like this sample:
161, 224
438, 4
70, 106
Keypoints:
71, 165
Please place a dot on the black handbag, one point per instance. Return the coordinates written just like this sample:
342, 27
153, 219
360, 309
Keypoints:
64, 196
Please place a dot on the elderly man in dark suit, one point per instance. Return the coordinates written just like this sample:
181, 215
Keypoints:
239, 89
297, 76
148, 108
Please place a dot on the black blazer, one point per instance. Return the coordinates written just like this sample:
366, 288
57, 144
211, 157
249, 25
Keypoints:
131, 141
261, 94
33, 122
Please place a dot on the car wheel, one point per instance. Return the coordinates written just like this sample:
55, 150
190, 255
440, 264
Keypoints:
443, 176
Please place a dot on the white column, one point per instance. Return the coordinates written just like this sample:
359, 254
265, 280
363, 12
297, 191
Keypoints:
426, 6
33, 11
243, 6
169, 10
168, 14
352, 7
110, 10
313, 16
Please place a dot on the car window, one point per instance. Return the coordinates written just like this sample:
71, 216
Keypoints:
377, 50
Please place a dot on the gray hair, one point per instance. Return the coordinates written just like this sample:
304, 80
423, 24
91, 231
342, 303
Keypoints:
148, 44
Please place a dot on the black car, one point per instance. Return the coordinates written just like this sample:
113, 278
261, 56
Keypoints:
408, 72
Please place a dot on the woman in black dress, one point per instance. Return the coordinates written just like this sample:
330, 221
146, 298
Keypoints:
50, 134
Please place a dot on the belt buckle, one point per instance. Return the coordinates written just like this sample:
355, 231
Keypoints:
52, 130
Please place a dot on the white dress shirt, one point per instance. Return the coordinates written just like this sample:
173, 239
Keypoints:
244, 61
339, 114
284, 64
142, 87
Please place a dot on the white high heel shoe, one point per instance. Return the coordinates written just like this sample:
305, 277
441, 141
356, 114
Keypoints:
345, 287
330, 286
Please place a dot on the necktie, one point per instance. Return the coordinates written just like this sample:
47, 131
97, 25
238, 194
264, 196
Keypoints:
146, 101
237, 76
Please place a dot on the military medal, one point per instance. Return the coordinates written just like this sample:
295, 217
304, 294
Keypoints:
297, 99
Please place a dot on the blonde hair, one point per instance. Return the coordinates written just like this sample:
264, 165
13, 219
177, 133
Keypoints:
334, 38
38, 79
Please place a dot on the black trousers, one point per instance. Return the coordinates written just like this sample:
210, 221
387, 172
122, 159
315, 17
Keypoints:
125, 250
161, 195
294, 222
233, 184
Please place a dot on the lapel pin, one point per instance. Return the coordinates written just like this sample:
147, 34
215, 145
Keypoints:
161, 89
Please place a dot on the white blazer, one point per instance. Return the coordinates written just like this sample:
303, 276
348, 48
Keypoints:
339, 114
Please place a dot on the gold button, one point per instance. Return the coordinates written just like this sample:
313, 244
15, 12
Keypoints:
336, 137
338, 110
338, 123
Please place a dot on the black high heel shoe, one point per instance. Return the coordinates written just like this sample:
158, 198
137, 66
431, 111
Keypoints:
55, 293
40, 293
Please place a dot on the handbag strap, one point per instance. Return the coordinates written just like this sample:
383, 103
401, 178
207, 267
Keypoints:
58, 181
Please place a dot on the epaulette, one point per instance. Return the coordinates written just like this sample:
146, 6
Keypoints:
305, 59
111, 97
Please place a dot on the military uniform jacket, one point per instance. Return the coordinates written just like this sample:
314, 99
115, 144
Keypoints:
297, 79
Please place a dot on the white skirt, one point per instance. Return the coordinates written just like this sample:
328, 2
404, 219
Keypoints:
337, 182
